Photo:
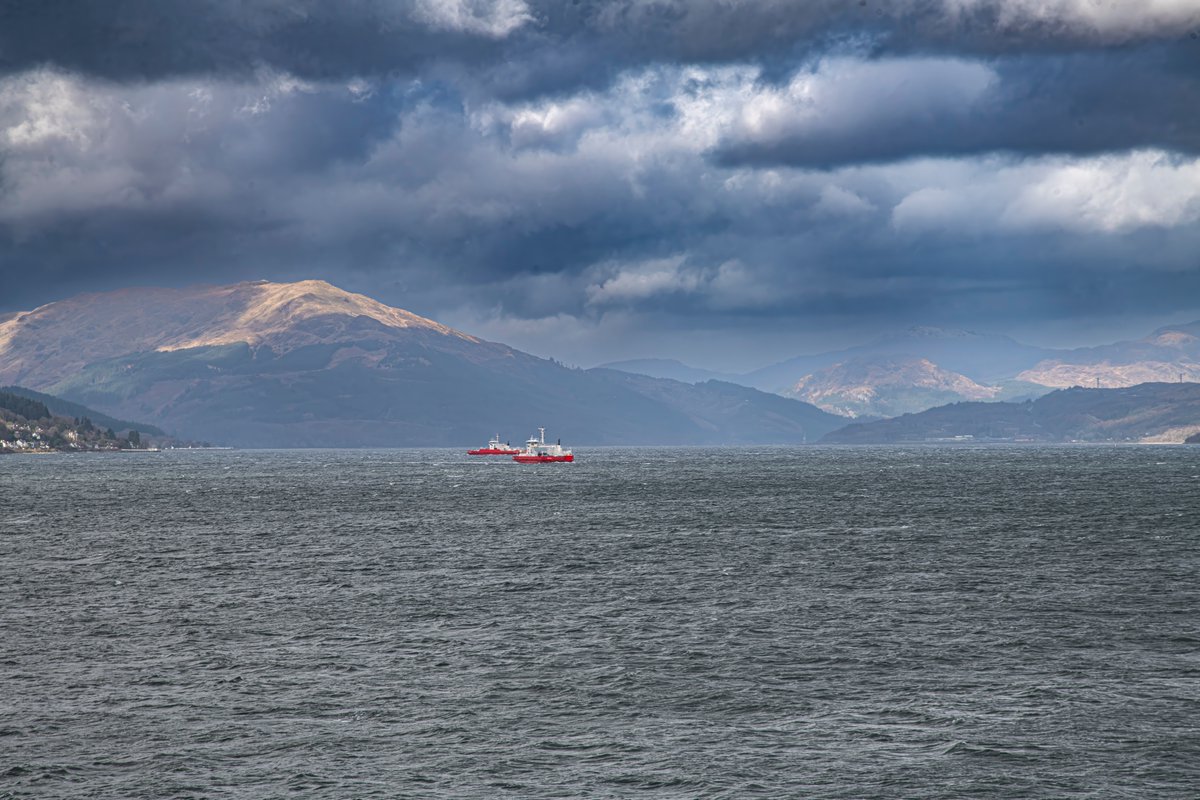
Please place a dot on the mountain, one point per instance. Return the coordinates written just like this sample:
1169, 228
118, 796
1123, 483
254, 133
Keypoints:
308, 364
1157, 412
1167, 355
672, 369
984, 358
45, 345
886, 386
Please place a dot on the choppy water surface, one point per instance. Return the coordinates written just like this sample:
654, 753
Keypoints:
823, 623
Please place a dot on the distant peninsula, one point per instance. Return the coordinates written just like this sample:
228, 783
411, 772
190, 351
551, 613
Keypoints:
28, 425
1148, 413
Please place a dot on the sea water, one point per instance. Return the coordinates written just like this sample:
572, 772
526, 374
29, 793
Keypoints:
916, 622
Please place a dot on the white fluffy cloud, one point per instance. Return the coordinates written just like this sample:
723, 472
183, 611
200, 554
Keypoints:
1112, 194
848, 95
635, 282
1109, 195
730, 285
493, 18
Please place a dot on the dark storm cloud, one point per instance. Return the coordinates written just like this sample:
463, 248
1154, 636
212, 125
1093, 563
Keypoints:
153, 39
1070, 77
589, 41
571, 173
410, 197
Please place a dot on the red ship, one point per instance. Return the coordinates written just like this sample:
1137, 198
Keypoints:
495, 448
538, 452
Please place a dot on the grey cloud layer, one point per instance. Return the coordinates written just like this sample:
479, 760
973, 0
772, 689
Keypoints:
587, 170
1068, 76
149, 39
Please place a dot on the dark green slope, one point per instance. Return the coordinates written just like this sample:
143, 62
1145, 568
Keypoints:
743, 415
65, 408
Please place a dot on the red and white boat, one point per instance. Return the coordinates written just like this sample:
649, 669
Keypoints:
495, 448
537, 451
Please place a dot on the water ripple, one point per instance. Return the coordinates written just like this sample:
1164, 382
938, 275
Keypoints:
933, 622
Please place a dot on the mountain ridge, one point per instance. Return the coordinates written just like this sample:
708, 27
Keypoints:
669, 368
311, 365
281, 316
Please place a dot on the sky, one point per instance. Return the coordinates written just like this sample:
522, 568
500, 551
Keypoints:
727, 182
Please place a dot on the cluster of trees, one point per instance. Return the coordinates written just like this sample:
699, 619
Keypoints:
23, 406
85, 425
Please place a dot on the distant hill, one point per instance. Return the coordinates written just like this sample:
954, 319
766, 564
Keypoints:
983, 358
747, 416
671, 369
307, 364
1163, 412
65, 408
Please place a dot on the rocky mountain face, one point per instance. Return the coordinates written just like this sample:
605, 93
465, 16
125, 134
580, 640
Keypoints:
307, 364
886, 386
1168, 355
1148, 412
983, 358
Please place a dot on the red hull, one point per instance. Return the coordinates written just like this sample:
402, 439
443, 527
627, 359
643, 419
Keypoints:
489, 451
541, 459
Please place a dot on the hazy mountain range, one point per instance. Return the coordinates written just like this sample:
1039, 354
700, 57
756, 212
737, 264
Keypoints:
1147, 412
925, 367
307, 364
